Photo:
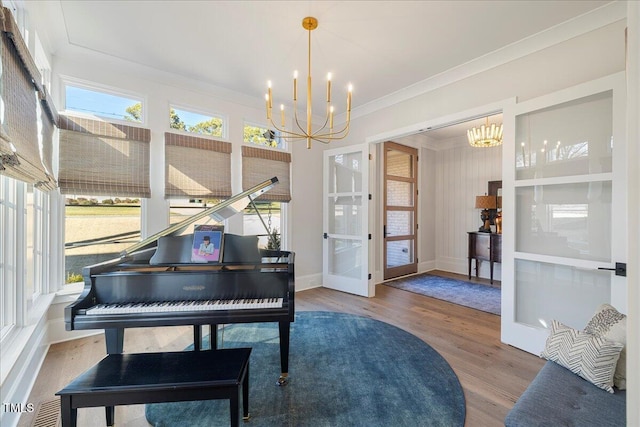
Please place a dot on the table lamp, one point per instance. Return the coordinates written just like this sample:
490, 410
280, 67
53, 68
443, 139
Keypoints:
485, 203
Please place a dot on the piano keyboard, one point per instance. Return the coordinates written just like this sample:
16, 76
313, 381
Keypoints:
185, 306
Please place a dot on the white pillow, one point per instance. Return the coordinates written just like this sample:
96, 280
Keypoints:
592, 357
612, 325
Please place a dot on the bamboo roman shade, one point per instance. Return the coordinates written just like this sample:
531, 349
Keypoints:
197, 167
103, 159
26, 148
259, 164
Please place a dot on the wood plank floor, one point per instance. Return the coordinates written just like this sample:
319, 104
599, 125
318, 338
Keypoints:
493, 375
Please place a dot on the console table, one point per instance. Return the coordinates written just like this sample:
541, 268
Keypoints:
484, 247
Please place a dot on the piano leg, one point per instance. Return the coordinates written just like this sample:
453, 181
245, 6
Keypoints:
284, 353
114, 339
213, 336
197, 337
110, 414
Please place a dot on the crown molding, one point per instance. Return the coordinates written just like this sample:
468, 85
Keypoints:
591, 21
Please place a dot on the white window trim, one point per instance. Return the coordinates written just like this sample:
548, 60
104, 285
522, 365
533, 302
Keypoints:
285, 145
210, 114
109, 90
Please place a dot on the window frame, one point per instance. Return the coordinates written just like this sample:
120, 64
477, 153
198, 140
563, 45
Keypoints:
100, 199
8, 257
211, 114
25, 255
104, 89
281, 142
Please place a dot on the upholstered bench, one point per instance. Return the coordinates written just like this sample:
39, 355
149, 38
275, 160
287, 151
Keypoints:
557, 397
126, 379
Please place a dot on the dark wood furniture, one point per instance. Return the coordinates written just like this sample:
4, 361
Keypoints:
484, 247
127, 379
154, 283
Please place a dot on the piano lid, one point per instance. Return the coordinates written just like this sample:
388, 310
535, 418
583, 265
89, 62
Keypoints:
219, 212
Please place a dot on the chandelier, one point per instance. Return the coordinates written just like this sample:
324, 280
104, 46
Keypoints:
324, 134
485, 136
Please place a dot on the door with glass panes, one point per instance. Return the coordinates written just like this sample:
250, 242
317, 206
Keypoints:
345, 220
400, 210
564, 210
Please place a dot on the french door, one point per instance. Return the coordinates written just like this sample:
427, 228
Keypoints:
345, 220
400, 210
564, 210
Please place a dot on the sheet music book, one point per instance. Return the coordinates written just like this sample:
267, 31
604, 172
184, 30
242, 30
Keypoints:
208, 242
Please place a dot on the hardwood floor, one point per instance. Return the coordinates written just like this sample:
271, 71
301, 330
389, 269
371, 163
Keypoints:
493, 375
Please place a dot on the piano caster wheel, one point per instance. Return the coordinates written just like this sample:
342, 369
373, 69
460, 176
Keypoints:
283, 380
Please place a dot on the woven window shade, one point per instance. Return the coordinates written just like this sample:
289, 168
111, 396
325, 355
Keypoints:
99, 158
197, 167
23, 97
259, 164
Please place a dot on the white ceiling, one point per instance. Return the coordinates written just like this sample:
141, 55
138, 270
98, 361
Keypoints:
381, 47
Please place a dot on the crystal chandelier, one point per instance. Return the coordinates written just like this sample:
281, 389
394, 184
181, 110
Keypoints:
485, 136
324, 134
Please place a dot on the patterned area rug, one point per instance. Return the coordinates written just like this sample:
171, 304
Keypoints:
473, 295
344, 370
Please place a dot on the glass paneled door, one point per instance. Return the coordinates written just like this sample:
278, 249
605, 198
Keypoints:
564, 207
345, 220
400, 210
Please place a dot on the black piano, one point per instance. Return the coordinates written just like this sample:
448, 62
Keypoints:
154, 283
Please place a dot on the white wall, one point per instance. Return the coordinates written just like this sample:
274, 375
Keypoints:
465, 171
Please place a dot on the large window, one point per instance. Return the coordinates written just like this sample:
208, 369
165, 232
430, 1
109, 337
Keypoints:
267, 226
24, 257
36, 254
97, 229
269, 234
103, 103
8, 258
182, 209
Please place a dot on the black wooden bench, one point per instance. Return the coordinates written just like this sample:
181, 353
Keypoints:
127, 379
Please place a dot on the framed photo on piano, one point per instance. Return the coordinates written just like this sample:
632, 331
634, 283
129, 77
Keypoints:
208, 243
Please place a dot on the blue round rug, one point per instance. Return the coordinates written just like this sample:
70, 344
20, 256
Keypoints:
344, 370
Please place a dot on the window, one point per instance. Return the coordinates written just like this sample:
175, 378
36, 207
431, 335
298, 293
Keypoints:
194, 122
97, 229
182, 209
255, 134
270, 212
8, 259
24, 257
109, 105
36, 259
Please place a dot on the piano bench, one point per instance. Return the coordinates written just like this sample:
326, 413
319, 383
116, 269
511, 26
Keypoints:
128, 379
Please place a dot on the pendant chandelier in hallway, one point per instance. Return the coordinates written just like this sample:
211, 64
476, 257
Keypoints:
485, 135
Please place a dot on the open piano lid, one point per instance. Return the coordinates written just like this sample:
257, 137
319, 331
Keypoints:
219, 212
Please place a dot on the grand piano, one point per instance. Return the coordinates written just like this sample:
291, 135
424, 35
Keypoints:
154, 283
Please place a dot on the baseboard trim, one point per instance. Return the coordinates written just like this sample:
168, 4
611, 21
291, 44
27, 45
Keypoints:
309, 281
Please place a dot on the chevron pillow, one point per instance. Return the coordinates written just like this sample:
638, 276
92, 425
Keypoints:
592, 357
609, 323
